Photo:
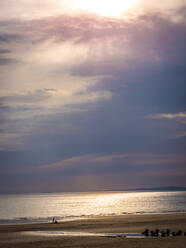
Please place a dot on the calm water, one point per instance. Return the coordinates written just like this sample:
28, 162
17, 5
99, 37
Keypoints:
42, 207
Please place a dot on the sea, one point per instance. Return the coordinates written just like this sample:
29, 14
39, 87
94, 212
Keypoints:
35, 208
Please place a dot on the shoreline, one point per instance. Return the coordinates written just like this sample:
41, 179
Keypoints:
78, 218
19, 236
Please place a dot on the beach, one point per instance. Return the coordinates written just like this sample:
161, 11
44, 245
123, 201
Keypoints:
26, 235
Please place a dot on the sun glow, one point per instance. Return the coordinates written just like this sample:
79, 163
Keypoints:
103, 7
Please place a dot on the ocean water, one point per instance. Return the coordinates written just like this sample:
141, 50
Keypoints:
28, 208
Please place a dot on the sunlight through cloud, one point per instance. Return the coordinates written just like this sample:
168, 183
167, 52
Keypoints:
103, 8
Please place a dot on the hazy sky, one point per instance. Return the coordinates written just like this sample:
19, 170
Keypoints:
92, 96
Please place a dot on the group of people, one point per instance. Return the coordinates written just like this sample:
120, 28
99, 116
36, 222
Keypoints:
158, 233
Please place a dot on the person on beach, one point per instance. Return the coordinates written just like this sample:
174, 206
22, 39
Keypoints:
54, 221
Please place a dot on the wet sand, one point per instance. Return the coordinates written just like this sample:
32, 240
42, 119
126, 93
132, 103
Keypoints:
19, 236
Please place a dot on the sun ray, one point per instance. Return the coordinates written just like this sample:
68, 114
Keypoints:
103, 7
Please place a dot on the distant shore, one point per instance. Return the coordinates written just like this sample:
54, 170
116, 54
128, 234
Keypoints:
20, 236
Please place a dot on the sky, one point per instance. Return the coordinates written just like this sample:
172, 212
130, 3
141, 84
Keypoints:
92, 95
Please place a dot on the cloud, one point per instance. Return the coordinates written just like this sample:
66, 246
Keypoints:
7, 61
8, 141
29, 9
50, 100
98, 172
23, 114
8, 37
179, 118
181, 134
115, 163
76, 91
179, 115
4, 51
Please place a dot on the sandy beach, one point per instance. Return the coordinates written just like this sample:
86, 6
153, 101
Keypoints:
25, 235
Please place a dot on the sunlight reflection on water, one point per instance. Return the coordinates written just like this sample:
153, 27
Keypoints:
43, 207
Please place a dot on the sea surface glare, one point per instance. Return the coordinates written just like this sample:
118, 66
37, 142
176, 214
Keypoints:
26, 208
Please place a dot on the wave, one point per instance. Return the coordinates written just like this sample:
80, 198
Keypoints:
29, 220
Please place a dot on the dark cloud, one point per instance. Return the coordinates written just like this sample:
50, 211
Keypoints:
4, 51
5, 37
4, 60
7, 61
147, 33
157, 77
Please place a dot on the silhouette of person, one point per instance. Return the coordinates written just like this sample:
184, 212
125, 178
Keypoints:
177, 233
155, 234
167, 233
146, 233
